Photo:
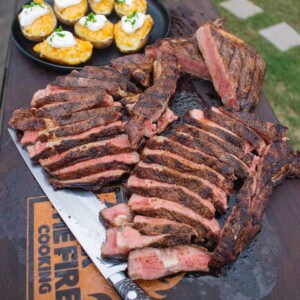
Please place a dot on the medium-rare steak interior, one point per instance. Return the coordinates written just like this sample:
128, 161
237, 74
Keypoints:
74, 129
200, 163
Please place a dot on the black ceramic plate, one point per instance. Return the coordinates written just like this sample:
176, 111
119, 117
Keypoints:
161, 28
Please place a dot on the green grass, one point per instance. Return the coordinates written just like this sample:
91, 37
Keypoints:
282, 86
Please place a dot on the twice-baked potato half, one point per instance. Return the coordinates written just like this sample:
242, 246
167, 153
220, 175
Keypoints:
70, 11
127, 7
102, 7
95, 29
132, 32
63, 48
37, 20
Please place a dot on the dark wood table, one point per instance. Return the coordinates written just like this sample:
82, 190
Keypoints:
17, 184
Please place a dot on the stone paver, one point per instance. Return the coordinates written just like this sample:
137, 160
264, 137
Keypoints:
243, 9
282, 36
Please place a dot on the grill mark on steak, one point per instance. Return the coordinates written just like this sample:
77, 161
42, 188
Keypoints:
67, 96
115, 216
193, 155
242, 131
186, 52
245, 220
42, 150
115, 145
121, 240
240, 168
267, 130
180, 164
208, 230
93, 182
150, 263
171, 192
232, 78
88, 119
217, 143
156, 226
67, 108
122, 161
135, 66
154, 101
205, 190
197, 118
109, 74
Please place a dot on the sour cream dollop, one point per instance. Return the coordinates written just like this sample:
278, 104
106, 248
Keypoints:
95, 24
30, 14
132, 23
62, 39
66, 3
128, 2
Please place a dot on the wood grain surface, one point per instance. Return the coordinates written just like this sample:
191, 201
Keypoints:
24, 77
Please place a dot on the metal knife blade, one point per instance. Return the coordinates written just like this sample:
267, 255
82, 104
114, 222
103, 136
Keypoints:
79, 210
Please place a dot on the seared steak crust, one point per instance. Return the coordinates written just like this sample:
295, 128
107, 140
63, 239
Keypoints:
135, 66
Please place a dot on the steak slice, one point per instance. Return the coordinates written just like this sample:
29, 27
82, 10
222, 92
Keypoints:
42, 150
206, 191
171, 192
239, 129
151, 263
197, 118
137, 67
115, 216
121, 240
70, 124
180, 164
245, 220
191, 154
208, 230
240, 168
94, 182
185, 50
270, 132
83, 96
153, 102
156, 226
167, 118
115, 145
108, 74
37, 99
237, 70
219, 144
122, 161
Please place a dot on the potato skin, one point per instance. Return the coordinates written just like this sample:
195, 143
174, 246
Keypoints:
122, 9
71, 14
78, 54
38, 36
100, 39
104, 7
131, 43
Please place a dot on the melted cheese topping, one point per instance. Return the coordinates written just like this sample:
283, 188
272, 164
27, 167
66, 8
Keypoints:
135, 5
42, 26
95, 25
130, 41
76, 11
29, 15
105, 33
102, 7
80, 53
